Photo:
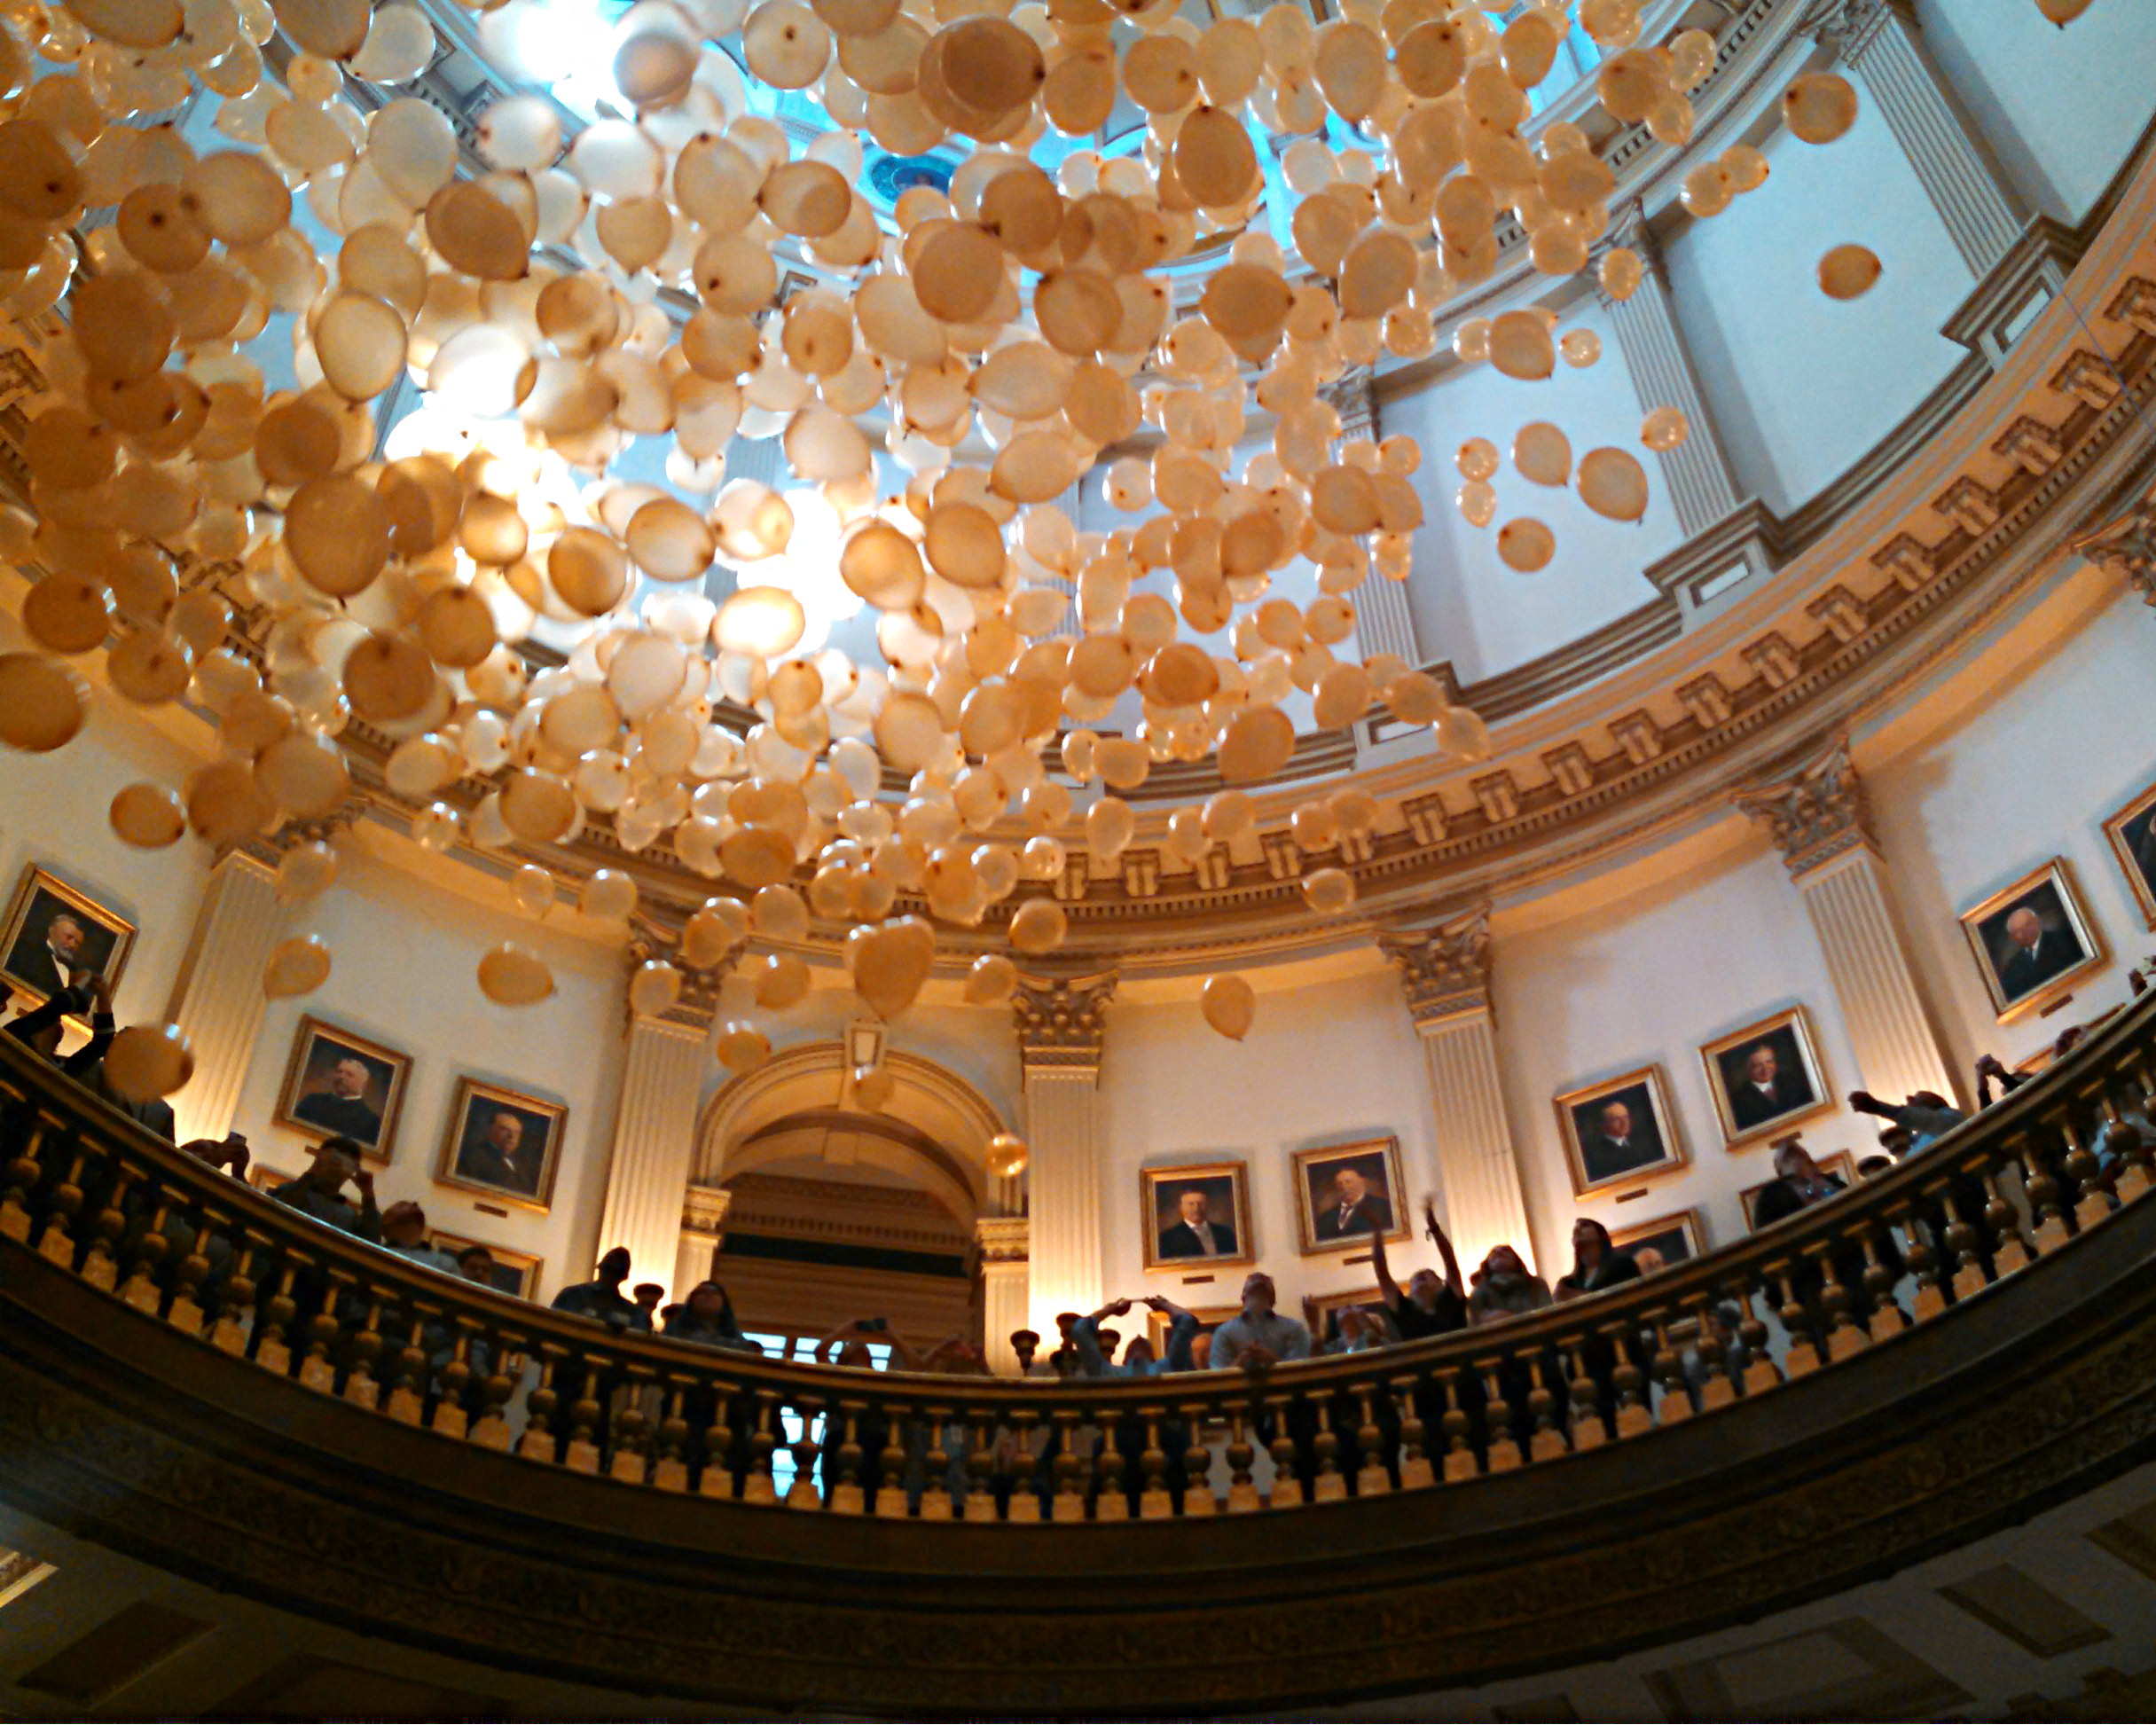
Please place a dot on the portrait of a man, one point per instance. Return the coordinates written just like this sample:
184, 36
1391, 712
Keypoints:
1350, 1193
2132, 833
2031, 940
1766, 1075
54, 933
1671, 1239
1619, 1130
503, 1142
1197, 1214
340, 1085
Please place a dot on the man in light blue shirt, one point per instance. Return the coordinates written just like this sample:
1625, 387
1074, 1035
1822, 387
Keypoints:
1258, 1335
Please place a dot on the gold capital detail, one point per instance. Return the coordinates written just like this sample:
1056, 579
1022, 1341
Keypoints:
1445, 969
1061, 1021
1816, 813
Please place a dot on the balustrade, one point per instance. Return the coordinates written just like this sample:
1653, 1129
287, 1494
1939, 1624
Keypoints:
223, 1267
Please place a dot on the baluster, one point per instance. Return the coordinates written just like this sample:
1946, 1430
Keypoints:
1923, 1261
1242, 1490
1110, 1501
360, 1387
1500, 1446
537, 1443
407, 1380
1965, 1242
1634, 1416
1154, 1502
1888, 1317
1416, 1473
450, 1417
759, 1488
1025, 1485
1760, 1371
236, 1300
940, 1501
2139, 1174
1459, 1449
1589, 1431
891, 1489
1198, 1498
981, 1470
318, 1370
1719, 1389
1806, 1352
1546, 1441
2048, 1219
1844, 1337
56, 1243
101, 1267
801, 1494
1674, 1405
141, 1289
2009, 1251
273, 1346
669, 1469
186, 1313
581, 1452
1286, 1483
717, 1479
25, 1172
2092, 1203
1373, 1479
631, 1461
505, 1361
846, 1495
1329, 1485
1069, 1504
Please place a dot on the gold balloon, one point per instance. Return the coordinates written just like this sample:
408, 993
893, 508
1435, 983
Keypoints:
1613, 484
1848, 272
1819, 106
515, 976
148, 1062
655, 988
1006, 1156
295, 966
1230, 1006
42, 702
741, 1048
1329, 891
609, 895
148, 817
305, 871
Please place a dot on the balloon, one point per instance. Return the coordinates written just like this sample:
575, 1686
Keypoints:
305, 871
609, 895
1525, 544
515, 976
1543, 454
992, 980
890, 963
1040, 926
741, 1048
781, 981
149, 817
1520, 346
1613, 484
1329, 891
1006, 1156
1229, 1005
1848, 272
533, 889
42, 702
655, 988
712, 932
1819, 106
1665, 429
295, 966
146, 1062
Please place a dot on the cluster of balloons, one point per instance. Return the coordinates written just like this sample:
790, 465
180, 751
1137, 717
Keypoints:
589, 286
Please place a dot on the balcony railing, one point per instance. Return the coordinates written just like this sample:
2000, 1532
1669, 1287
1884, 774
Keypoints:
209, 1259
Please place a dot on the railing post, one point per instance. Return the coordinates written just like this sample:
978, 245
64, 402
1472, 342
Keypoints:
1069, 1504
1674, 1405
1154, 1502
360, 1387
1025, 1479
802, 1494
490, 1429
56, 1244
407, 1380
318, 1369
1416, 1473
2049, 1220
1242, 1490
891, 1487
141, 1289
186, 1313
941, 1498
101, 1267
1287, 1482
1198, 1498
273, 1346
1373, 1479
1843, 1337
1499, 1445
236, 1300
759, 1488
980, 1502
450, 1417
669, 1468
630, 1438
1459, 1450
1588, 1429
2009, 1251
537, 1443
1886, 1318
25, 1173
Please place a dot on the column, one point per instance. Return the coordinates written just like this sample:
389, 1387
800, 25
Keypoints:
1444, 971
1383, 622
1005, 1285
217, 997
655, 1140
1060, 1023
1822, 827
1702, 484
1878, 40
703, 1228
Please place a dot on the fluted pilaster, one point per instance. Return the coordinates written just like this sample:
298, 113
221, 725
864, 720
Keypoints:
217, 999
1819, 822
703, 1226
1702, 483
654, 1141
1061, 1023
1006, 1285
1444, 972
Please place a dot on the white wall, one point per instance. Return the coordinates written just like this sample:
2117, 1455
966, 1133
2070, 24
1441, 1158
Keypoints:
2060, 108
1801, 385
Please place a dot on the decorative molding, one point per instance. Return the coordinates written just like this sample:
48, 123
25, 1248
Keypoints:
703, 1210
1061, 1022
1003, 1239
1445, 969
1816, 813
2126, 547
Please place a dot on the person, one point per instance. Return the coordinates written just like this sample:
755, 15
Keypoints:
1358, 1329
1928, 1116
1767, 1092
153, 1113
1353, 1208
1138, 1361
649, 1295
52, 964
2038, 953
1650, 1260
319, 1192
42, 1026
1431, 1305
705, 1317
343, 1109
1800, 1182
497, 1156
476, 1264
1258, 1335
228, 1153
602, 1297
1991, 1069
403, 1231
1505, 1288
1596, 1263
1193, 1233
1619, 1146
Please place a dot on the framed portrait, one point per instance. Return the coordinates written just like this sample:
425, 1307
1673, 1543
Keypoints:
1346, 1193
1209, 1319
1196, 1216
51, 929
502, 1142
1672, 1240
516, 1274
264, 1179
2132, 833
1619, 1130
339, 1085
1321, 1312
1841, 1165
2033, 942
1766, 1077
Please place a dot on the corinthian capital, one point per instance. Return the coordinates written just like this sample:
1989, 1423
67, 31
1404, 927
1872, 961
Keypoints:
1850, 27
1816, 813
2126, 547
1444, 969
1061, 1021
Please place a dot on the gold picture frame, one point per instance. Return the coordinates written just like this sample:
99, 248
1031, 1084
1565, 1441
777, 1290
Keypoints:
41, 897
1594, 1164
2021, 979
517, 1271
1682, 1227
317, 1047
2132, 833
1839, 1163
1376, 1162
1226, 1185
473, 1157
1209, 1319
1318, 1309
1787, 1036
